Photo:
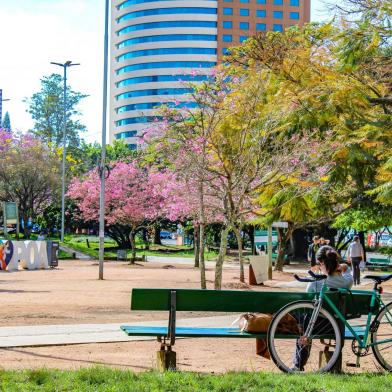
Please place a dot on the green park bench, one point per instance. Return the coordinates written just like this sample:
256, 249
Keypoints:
378, 262
235, 301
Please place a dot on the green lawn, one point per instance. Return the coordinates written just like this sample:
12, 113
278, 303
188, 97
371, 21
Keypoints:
79, 243
104, 379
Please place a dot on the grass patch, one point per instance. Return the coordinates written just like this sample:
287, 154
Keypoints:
80, 243
105, 379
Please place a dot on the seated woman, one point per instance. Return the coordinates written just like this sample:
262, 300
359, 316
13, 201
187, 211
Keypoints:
338, 276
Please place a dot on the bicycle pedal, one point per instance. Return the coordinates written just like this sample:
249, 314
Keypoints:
351, 364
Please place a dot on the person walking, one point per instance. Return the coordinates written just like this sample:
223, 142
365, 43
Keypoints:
312, 250
355, 255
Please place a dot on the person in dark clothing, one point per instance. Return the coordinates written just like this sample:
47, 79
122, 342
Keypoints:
312, 250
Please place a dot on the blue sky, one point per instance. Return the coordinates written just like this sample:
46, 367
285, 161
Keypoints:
35, 32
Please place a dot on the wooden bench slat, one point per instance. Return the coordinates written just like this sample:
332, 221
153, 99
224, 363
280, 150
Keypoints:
233, 300
208, 332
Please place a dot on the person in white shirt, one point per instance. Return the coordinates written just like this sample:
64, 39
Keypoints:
355, 255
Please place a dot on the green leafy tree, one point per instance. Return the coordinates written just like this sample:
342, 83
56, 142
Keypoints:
46, 107
6, 124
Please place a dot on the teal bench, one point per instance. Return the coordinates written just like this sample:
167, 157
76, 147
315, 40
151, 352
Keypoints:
234, 301
378, 262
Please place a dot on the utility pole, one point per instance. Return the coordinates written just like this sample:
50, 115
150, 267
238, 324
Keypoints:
102, 166
65, 66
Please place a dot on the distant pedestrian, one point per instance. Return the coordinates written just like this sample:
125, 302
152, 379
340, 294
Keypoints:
355, 255
312, 250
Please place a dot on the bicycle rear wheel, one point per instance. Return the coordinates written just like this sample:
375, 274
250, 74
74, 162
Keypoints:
382, 348
291, 351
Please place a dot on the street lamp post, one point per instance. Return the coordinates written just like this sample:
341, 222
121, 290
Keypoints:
66, 65
102, 165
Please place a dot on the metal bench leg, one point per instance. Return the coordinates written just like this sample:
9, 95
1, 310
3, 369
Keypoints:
166, 357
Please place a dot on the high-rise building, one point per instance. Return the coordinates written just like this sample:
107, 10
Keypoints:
158, 44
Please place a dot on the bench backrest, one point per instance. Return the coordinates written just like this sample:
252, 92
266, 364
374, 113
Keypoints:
240, 301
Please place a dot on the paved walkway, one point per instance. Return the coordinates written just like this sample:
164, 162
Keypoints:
48, 335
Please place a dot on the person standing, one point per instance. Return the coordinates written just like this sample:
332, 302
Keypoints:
312, 250
355, 255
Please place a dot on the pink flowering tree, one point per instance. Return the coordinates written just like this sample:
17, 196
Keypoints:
29, 173
232, 148
134, 197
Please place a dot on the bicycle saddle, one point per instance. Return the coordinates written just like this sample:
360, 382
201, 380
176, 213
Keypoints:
378, 279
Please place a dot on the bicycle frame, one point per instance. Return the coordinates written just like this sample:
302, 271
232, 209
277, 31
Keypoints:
363, 343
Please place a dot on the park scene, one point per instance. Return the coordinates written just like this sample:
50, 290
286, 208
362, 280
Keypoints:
200, 200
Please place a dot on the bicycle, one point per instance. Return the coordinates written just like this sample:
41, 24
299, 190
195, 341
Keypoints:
315, 344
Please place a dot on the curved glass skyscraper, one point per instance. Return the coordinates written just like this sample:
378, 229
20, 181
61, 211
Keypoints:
157, 45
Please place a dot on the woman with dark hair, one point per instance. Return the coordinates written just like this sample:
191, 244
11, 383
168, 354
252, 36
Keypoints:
338, 275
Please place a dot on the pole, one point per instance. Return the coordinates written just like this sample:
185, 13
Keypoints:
103, 150
269, 252
64, 156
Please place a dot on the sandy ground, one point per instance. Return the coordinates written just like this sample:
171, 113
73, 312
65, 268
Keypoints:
72, 294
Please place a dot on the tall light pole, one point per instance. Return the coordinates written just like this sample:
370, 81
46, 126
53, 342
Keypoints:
66, 65
102, 166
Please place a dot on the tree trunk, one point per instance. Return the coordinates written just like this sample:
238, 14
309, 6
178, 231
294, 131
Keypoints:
196, 242
133, 246
203, 282
221, 258
237, 232
281, 249
157, 234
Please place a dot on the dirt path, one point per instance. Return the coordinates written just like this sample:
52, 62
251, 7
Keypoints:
73, 295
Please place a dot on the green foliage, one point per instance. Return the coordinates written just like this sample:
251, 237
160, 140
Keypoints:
6, 124
100, 379
46, 107
365, 218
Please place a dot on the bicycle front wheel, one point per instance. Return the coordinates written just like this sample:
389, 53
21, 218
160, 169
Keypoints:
381, 338
292, 350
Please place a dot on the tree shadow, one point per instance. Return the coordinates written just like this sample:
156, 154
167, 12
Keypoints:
32, 354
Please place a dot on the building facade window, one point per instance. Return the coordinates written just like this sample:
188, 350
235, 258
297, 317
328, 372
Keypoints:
294, 15
167, 37
164, 51
261, 13
225, 51
278, 14
227, 24
133, 2
243, 38
124, 135
166, 64
168, 24
167, 11
227, 38
294, 3
244, 12
277, 27
244, 1
244, 25
260, 2
227, 11
278, 2
154, 91
161, 78
261, 27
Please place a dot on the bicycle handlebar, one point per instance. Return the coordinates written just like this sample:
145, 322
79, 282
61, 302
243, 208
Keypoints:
314, 276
